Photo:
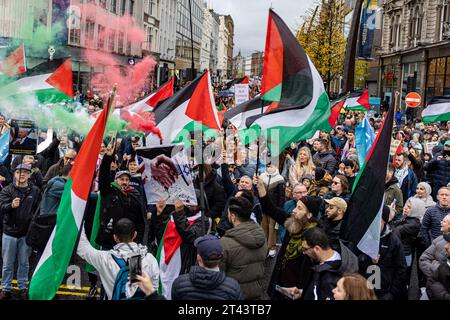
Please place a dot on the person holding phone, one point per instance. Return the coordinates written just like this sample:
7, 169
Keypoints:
135, 255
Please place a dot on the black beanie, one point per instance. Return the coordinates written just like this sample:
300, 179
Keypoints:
386, 213
313, 204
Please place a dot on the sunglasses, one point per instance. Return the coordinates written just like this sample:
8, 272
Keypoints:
335, 182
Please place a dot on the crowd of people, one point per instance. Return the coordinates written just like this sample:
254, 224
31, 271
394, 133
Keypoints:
287, 211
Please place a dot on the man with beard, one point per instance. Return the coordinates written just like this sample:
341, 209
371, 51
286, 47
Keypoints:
392, 193
292, 268
333, 220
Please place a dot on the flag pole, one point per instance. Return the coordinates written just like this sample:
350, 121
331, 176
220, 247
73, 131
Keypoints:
258, 143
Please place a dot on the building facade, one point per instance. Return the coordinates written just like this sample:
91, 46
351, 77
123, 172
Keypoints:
167, 40
183, 37
205, 53
415, 49
238, 66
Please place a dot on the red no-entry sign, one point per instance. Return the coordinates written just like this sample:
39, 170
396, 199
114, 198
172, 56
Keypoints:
413, 99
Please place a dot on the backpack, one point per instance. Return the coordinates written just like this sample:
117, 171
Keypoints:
119, 290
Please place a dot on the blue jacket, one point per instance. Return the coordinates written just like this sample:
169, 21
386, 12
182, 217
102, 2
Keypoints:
409, 185
431, 223
52, 196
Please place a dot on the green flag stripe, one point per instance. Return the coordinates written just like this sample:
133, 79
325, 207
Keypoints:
48, 277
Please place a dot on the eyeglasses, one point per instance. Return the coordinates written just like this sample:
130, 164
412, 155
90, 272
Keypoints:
335, 182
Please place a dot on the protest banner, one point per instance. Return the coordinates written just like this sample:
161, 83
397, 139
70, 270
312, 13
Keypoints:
24, 137
167, 174
241, 93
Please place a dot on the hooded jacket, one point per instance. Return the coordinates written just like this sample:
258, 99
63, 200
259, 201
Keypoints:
108, 269
392, 264
244, 254
52, 196
431, 258
203, 284
275, 186
326, 275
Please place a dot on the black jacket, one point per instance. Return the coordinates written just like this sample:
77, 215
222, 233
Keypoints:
295, 272
438, 172
332, 228
116, 204
4, 172
203, 284
215, 196
16, 221
438, 286
408, 229
327, 159
392, 266
187, 232
326, 275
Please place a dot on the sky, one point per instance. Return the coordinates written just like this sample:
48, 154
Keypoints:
250, 19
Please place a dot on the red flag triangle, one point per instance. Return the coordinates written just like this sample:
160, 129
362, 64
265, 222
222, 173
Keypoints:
172, 240
364, 99
166, 91
202, 107
61, 79
14, 64
335, 111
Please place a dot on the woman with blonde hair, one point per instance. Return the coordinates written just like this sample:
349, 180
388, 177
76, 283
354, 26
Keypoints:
303, 166
353, 286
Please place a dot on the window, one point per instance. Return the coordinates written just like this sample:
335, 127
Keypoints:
102, 3
90, 28
111, 40
113, 6
74, 36
129, 48
101, 37
120, 45
131, 10
123, 7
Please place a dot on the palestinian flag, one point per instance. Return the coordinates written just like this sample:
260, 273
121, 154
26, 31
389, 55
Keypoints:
47, 86
221, 109
53, 264
15, 63
362, 219
291, 80
358, 101
243, 80
169, 256
191, 108
438, 109
150, 101
335, 112
238, 115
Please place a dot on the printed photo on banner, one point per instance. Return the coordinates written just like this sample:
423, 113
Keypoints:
167, 174
24, 137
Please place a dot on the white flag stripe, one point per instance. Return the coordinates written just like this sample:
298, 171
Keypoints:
436, 109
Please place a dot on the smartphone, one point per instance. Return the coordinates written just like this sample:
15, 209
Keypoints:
284, 292
135, 267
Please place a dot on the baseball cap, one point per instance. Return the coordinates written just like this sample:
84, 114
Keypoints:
23, 167
447, 143
121, 173
209, 247
337, 202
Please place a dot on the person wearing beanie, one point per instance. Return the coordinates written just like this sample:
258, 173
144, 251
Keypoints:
391, 261
307, 181
292, 268
244, 249
423, 192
